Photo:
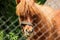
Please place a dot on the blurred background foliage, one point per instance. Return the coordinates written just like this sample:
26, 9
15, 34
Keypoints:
7, 10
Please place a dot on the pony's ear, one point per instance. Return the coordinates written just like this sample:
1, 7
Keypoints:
17, 1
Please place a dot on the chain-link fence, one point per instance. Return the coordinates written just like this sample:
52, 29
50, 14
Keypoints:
10, 29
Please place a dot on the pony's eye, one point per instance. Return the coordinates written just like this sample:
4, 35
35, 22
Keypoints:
34, 16
22, 17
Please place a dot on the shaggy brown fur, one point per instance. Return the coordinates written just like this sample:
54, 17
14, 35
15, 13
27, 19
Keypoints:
41, 15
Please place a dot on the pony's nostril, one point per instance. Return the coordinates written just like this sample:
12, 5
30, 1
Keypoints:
26, 30
30, 31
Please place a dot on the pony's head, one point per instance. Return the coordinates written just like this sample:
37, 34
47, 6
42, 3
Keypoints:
30, 17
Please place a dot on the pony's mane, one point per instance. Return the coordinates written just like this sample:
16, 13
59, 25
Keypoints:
28, 7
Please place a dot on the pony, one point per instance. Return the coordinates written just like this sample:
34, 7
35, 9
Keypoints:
38, 22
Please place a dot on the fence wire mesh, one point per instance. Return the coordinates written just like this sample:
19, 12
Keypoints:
11, 27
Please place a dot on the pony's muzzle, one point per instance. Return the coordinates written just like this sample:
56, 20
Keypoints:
27, 30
